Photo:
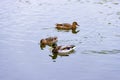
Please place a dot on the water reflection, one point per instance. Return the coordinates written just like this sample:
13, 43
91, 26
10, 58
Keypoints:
74, 31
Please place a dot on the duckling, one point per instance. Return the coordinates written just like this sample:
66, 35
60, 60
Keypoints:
67, 26
48, 41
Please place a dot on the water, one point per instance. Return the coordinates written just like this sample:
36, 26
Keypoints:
24, 22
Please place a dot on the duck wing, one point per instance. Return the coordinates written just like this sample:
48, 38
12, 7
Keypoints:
67, 25
67, 47
64, 25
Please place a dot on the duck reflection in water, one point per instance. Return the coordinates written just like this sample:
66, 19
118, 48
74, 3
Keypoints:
67, 27
74, 31
61, 50
48, 41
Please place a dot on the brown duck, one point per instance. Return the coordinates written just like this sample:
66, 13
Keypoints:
48, 41
67, 26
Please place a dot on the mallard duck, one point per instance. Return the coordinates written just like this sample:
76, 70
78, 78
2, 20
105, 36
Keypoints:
67, 26
63, 50
48, 41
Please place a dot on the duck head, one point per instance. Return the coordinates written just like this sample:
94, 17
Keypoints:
75, 23
43, 42
55, 48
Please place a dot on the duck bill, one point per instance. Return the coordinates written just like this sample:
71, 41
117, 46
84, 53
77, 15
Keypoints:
78, 25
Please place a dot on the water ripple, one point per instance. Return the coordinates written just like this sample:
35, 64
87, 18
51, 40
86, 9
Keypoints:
114, 51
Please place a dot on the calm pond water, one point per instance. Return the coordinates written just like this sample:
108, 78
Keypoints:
23, 23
